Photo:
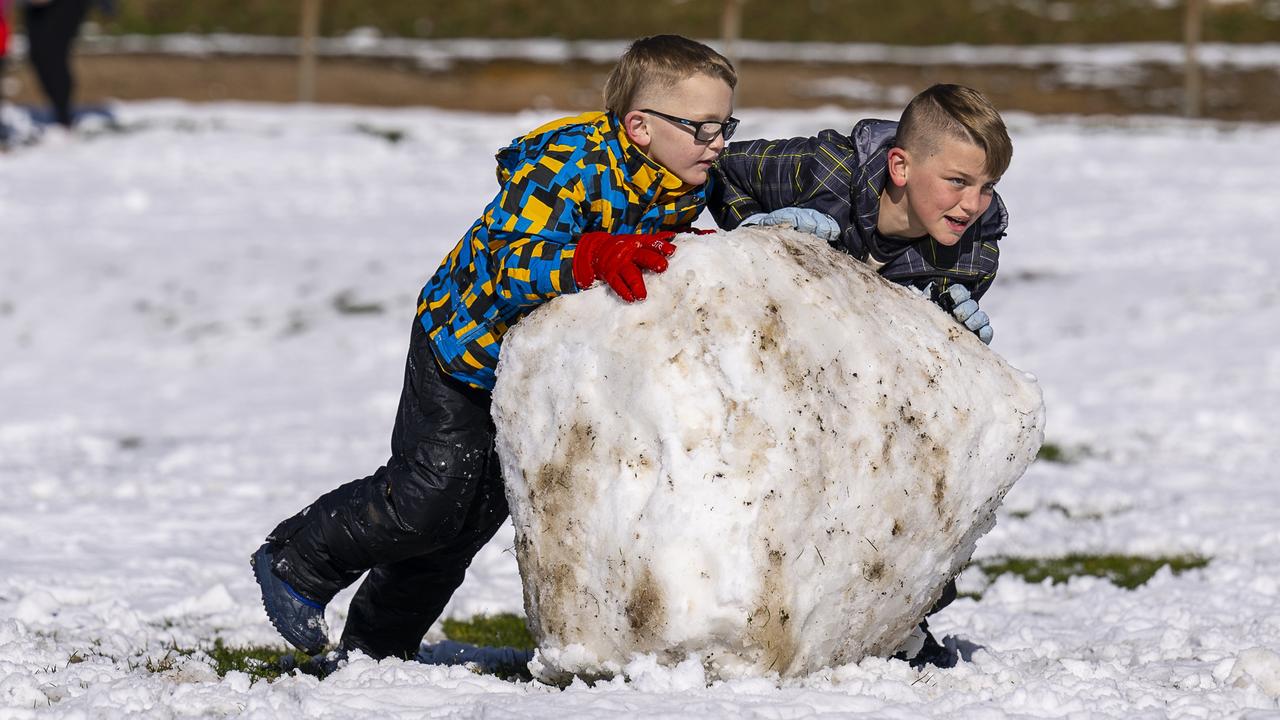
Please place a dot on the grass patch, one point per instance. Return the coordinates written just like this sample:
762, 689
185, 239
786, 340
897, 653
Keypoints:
501, 630
265, 662
1126, 571
391, 135
923, 22
260, 662
346, 304
1055, 453
1063, 510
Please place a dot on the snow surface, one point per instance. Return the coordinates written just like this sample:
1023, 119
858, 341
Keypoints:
776, 462
203, 325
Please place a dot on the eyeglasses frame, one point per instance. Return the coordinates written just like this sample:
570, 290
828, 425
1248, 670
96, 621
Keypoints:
726, 127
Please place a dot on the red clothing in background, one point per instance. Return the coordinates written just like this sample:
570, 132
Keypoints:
4, 31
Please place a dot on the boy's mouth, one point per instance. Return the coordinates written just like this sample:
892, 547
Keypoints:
956, 224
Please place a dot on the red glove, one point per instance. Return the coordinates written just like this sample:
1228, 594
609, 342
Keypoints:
619, 260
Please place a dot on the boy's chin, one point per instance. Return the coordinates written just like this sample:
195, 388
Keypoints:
693, 176
944, 236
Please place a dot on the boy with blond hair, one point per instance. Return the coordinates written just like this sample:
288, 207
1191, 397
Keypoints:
915, 199
586, 199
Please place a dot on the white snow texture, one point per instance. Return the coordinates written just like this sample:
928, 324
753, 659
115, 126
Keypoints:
775, 463
191, 349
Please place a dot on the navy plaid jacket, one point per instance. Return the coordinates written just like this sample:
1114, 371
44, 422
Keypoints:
570, 176
843, 176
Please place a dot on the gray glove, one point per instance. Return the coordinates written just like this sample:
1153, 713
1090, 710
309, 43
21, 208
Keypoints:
802, 219
964, 308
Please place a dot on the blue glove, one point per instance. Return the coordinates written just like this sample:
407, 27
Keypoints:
964, 308
802, 219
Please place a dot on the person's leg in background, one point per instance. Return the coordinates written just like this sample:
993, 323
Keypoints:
52, 28
4, 52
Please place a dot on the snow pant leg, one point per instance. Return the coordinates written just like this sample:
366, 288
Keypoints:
948, 596
414, 505
397, 603
51, 30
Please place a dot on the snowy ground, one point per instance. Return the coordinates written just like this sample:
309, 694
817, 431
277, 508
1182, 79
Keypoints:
203, 323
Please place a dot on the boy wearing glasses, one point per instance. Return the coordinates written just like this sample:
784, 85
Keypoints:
915, 199
581, 200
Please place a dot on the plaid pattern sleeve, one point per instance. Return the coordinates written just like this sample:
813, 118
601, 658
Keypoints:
765, 175
756, 176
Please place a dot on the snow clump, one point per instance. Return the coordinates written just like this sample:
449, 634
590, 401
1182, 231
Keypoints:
774, 464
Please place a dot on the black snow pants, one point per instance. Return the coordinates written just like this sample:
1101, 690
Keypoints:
414, 525
51, 29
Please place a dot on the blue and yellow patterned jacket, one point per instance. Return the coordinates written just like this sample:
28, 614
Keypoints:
568, 177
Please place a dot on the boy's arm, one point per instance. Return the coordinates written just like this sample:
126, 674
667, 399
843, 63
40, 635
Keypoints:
535, 230
987, 249
983, 284
759, 176
532, 229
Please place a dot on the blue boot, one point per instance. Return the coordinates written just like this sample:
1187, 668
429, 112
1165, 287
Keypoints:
297, 619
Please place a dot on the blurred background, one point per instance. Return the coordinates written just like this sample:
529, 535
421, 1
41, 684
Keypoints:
204, 308
1211, 58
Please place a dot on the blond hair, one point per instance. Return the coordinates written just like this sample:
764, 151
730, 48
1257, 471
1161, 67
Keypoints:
659, 62
959, 112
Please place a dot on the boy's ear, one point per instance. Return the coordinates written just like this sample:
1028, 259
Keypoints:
636, 125
898, 160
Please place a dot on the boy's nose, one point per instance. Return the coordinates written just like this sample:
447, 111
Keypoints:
717, 145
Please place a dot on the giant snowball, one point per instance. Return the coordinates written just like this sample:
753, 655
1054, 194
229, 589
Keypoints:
776, 462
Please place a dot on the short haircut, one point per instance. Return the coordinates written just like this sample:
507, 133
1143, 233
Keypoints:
660, 62
959, 112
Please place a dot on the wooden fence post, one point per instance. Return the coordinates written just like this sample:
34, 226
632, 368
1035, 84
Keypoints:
731, 28
1192, 87
307, 33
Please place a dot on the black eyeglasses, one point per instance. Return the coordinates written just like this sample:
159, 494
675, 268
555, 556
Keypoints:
704, 131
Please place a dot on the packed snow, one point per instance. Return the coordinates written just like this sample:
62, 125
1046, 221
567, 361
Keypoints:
203, 322
776, 462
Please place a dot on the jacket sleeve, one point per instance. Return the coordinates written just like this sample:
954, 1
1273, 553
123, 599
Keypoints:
989, 260
987, 248
759, 176
533, 225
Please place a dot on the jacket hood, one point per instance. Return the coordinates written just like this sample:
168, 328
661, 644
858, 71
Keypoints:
638, 169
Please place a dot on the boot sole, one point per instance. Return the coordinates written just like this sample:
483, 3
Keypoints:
262, 573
